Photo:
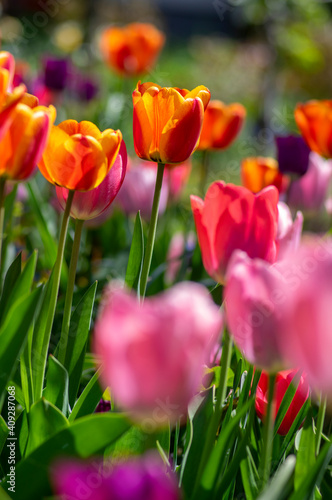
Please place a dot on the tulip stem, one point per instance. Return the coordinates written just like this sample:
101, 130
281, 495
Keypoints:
53, 298
2, 211
265, 465
216, 416
69, 293
152, 230
320, 422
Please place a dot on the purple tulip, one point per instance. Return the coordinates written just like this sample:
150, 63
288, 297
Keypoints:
138, 479
293, 154
56, 72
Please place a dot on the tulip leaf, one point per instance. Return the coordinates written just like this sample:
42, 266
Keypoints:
3, 433
80, 323
83, 438
11, 277
290, 437
21, 286
44, 421
315, 475
281, 484
57, 383
89, 399
286, 402
306, 457
136, 254
26, 372
13, 334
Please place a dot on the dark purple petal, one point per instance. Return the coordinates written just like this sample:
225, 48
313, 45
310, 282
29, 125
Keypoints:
56, 73
293, 154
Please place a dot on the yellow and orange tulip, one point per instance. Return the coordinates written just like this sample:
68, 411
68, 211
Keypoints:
167, 121
24, 142
221, 125
78, 156
133, 49
314, 119
258, 173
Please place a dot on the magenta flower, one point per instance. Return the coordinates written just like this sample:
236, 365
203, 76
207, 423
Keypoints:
152, 354
232, 217
254, 310
289, 231
91, 204
145, 478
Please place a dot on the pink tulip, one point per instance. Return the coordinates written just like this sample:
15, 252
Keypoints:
91, 204
138, 189
177, 177
254, 309
305, 336
283, 381
288, 232
310, 191
152, 354
232, 217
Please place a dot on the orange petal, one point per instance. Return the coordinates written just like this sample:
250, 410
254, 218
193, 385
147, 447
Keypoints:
110, 142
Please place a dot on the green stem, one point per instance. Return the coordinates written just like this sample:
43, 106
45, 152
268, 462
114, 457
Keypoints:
2, 211
320, 422
70, 291
215, 420
265, 465
152, 230
54, 295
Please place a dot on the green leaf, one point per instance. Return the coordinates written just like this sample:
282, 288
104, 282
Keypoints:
280, 485
286, 401
77, 340
11, 277
57, 382
84, 438
13, 334
21, 287
290, 437
306, 457
314, 477
44, 421
89, 399
3, 433
26, 372
135, 261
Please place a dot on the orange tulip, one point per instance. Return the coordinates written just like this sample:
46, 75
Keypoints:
314, 120
133, 49
167, 121
8, 97
24, 142
258, 173
221, 125
78, 156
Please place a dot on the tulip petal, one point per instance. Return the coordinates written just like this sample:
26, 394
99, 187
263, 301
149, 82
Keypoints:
110, 141
197, 206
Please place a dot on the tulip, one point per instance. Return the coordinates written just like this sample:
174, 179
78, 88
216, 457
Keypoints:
133, 49
253, 313
293, 154
91, 204
231, 217
137, 190
167, 121
283, 381
143, 478
78, 156
56, 72
310, 191
288, 232
258, 173
305, 336
177, 177
314, 120
25, 140
221, 125
137, 344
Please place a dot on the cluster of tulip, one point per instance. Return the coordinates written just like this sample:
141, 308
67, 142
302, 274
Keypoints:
277, 290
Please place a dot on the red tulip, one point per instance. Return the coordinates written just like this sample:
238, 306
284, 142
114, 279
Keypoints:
283, 380
232, 217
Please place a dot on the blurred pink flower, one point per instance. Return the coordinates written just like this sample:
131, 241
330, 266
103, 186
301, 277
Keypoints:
283, 381
96, 202
305, 336
288, 232
177, 247
138, 189
177, 177
152, 354
310, 191
143, 478
254, 310
232, 217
